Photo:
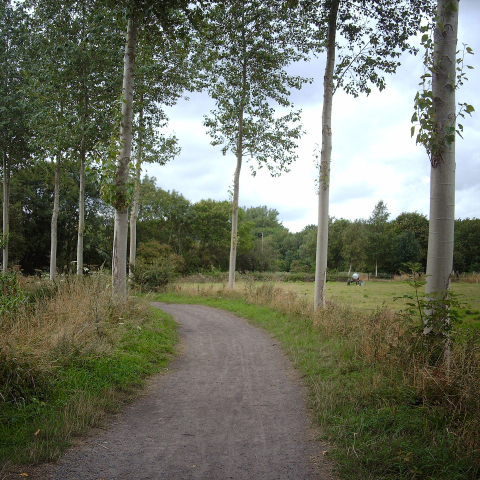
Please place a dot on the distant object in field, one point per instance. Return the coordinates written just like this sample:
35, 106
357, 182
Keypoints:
355, 279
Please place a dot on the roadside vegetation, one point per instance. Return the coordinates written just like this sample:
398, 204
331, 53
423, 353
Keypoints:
373, 294
377, 389
70, 355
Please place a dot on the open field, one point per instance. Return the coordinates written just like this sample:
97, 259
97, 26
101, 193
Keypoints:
373, 295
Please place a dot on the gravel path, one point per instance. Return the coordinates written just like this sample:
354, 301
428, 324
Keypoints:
231, 406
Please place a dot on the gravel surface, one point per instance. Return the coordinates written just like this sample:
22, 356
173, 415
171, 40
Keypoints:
231, 406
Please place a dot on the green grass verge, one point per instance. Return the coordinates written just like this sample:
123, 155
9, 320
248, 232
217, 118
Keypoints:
374, 294
374, 420
58, 404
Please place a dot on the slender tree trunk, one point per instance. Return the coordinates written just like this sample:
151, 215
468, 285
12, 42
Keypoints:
119, 257
81, 193
136, 199
53, 231
236, 182
81, 209
326, 154
236, 188
442, 175
6, 209
81, 190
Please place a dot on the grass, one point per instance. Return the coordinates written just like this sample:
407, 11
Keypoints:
70, 354
389, 412
67, 359
373, 295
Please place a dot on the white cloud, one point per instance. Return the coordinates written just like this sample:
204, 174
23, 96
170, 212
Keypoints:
373, 156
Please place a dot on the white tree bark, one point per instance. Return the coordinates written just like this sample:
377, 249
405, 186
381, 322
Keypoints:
325, 158
119, 257
135, 208
236, 188
53, 231
81, 209
442, 175
236, 182
6, 208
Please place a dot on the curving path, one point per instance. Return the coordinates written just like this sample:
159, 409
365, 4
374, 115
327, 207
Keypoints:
231, 407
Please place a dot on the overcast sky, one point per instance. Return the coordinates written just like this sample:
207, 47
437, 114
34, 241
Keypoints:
373, 158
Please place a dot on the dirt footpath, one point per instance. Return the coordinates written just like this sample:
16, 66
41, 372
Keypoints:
231, 407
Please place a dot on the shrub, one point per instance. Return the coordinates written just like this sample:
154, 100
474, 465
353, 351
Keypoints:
12, 293
157, 274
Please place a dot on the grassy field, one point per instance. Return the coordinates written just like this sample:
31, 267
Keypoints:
389, 410
69, 354
374, 295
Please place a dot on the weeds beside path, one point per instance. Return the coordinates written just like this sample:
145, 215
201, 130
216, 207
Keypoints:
389, 413
70, 354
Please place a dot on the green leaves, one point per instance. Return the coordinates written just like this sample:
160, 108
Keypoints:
373, 36
248, 47
432, 135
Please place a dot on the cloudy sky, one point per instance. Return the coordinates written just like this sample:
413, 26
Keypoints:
373, 158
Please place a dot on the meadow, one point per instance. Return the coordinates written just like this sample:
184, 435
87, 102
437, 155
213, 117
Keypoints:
373, 295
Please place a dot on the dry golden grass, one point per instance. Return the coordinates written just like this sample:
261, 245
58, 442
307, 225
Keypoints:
58, 349
73, 313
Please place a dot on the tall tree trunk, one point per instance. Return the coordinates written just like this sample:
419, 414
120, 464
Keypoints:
236, 188
136, 199
6, 208
81, 193
81, 209
326, 154
442, 175
236, 182
119, 257
53, 231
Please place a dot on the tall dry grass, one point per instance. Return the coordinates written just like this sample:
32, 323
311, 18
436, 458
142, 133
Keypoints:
393, 344
74, 316
58, 348
74, 310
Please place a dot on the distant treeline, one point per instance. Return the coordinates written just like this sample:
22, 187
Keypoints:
199, 233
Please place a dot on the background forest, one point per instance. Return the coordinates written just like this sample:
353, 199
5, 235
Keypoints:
60, 89
198, 234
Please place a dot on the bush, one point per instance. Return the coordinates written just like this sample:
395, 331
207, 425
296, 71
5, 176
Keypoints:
157, 274
12, 293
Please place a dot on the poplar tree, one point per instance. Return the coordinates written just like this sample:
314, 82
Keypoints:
165, 69
49, 78
250, 44
73, 80
364, 42
171, 18
437, 113
442, 160
14, 113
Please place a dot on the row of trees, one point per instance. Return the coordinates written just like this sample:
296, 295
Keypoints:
62, 70
198, 234
65, 69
